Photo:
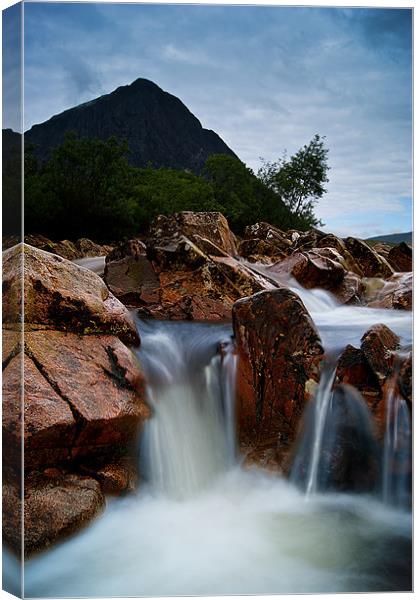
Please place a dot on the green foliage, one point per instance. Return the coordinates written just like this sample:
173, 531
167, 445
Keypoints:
244, 198
300, 180
88, 189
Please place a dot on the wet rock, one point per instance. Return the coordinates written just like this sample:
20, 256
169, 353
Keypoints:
61, 295
53, 509
100, 381
308, 240
87, 248
379, 344
117, 477
130, 275
278, 354
49, 426
349, 290
315, 268
405, 378
347, 260
353, 368
382, 249
212, 226
255, 250
264, 240
396, 293
400, 257
177, 253
369, 261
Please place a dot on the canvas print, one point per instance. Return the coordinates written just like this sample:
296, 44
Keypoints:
207, 299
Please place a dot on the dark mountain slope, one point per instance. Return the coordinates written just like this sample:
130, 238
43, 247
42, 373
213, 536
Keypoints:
158, 127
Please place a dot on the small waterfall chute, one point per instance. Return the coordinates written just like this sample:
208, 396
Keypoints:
336, 448
397, 450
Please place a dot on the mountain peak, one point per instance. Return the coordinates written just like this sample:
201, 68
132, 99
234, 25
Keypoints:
158, 127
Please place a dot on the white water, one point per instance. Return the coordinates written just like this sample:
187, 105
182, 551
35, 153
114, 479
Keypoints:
93, 263
397, 451
202, 525
321, 407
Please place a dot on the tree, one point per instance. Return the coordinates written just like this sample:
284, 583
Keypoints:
243, 198
300, 180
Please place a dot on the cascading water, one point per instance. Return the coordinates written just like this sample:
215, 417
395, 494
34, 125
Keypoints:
202, 525
190, 439
397, 456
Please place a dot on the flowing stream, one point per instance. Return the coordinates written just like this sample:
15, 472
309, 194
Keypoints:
200, 523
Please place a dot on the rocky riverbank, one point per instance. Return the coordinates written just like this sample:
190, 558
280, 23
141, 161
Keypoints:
85, 400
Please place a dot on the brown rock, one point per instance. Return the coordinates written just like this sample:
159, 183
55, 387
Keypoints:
315, 268
349, 290
53, 510
378, 345
117, 477
369, 261
347, 260
87, 248
49, 426
400, 257
279, 350
396, 293
100, 380
212, 226
61, 295
130, 275
405, 378
382, 249
353, 368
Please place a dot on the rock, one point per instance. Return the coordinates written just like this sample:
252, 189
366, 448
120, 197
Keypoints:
378, 345
308, 240
212, 226
117, 477
369, 261
382, 249
87, 248
405, 379
100, 381
315, 268
354, 369
130, 275
49, 426
279, 351
175, 254
264, 240
255, 250
396, 293
65, 248
400, 257
62, 296
347, 260
349, 290
53, 509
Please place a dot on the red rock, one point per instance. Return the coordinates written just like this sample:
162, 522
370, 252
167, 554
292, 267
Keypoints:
396, 293
315, 268
349, 291
369, 261
378, 345
49, 426
130, 275
405, 379
53, 509
400, 257
60, 295
212, 226
278, 353
100, 380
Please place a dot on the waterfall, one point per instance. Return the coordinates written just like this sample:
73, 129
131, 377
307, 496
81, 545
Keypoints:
336, 448
321, 408
191, 437
396, 471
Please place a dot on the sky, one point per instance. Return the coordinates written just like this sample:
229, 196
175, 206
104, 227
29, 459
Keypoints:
266, 79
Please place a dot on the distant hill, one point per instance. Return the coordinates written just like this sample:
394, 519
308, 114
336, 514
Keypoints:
158, 127
393, 238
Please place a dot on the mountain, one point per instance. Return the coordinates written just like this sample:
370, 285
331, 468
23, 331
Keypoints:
158, 127
392, 238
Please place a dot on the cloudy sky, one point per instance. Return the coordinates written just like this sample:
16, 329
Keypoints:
265, 78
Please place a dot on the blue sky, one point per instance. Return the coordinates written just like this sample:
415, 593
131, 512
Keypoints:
265, 78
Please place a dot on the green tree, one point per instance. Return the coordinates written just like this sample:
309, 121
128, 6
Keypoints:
299, 181
244, 199
82, 190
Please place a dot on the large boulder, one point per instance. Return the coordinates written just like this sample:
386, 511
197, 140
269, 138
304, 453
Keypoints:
212, 226
312, 269
130, 275
396, 292
60, 295
379, 344
369, 262
54, 507
84, 392
400, 257
279, 351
